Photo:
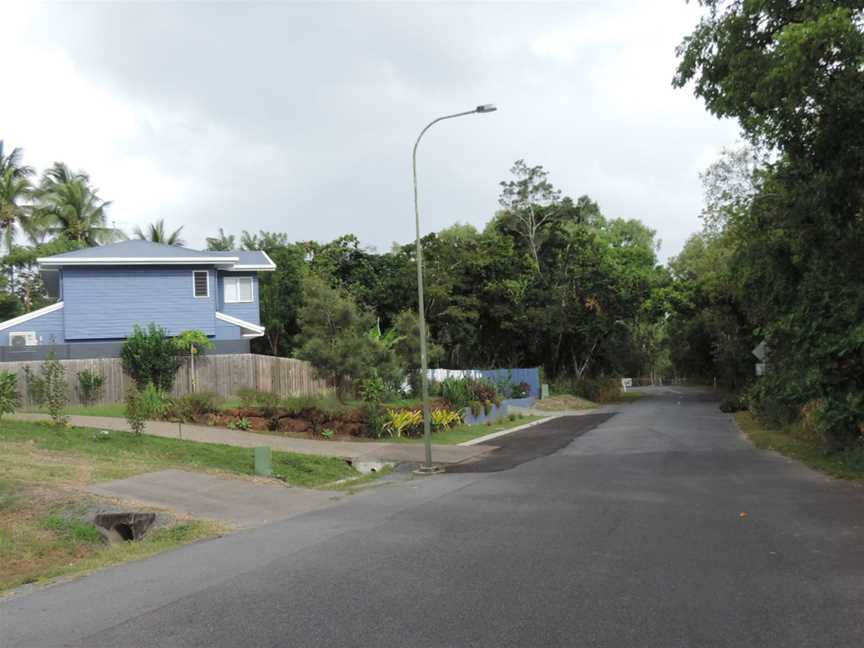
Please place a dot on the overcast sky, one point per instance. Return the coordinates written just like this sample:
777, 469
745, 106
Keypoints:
301, 117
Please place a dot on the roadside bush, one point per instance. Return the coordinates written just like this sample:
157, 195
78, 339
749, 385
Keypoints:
456, 391
8, 393
267, 401
372, 392
444, 419
34, 386
155, 401
150, 356
190, 407
600, 390
401, 423
54, 377
89, 386
137, 409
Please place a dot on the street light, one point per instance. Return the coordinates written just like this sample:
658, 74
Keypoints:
427, 468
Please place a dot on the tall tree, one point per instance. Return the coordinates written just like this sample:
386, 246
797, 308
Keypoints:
156, 233
15, 194
792, 74
221, 243
15, 210
71, 208
12, 160
530, 200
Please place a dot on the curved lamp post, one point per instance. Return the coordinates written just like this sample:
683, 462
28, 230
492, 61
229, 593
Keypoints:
427, 467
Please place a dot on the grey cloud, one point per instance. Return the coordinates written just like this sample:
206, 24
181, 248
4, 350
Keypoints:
301, 117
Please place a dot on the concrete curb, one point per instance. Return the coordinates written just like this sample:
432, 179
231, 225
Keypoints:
495, 435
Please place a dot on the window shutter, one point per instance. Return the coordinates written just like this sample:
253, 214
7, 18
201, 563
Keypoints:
201, 283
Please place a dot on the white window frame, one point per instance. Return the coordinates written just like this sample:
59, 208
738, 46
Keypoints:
207, 296
238, 300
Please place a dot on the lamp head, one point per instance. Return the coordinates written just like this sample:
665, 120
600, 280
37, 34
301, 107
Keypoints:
486, 108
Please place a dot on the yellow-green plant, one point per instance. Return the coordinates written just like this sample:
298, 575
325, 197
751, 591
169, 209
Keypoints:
443, 419
400, 421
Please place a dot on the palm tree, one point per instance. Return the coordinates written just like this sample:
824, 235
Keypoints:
156, 233
15, 213
71, 208
221, 243
15, 194
13, 161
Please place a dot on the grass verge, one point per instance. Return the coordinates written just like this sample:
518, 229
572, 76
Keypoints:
43, 469
462, 433
120, 454
848, 464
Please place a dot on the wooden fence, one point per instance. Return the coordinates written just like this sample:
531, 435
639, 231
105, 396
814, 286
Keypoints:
223, 374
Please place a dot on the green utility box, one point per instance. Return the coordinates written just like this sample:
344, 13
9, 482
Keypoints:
263, 461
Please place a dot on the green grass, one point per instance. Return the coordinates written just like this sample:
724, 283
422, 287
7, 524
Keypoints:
105, 409
848, 464
627, 397
462, 433
131, 454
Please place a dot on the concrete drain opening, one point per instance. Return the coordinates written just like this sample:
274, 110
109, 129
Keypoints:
123, 527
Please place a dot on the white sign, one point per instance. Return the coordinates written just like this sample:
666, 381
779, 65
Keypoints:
761, 351
626, 382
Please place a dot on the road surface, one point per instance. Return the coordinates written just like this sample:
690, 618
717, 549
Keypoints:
658, 527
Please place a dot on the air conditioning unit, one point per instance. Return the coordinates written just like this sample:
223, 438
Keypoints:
22, 339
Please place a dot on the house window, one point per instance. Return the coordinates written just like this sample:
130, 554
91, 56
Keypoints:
201, 283
238, 289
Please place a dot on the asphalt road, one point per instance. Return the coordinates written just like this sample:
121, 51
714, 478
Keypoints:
627, 534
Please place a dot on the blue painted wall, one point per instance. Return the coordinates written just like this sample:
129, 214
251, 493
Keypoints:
105, 303
48, 329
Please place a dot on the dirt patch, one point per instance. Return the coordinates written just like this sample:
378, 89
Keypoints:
563, 403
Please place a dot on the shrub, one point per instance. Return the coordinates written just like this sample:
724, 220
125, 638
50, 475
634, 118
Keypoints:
150, 356
456, 391
403, 422
89, 386
155, 401
600, 390
191, 406
54, 377
241, 423
35, 387
267, 401
137, 411
8, 393
443, 419
483, 390
522, 390
372, 392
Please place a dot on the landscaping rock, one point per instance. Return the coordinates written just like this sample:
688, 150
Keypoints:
258, 423
294, 425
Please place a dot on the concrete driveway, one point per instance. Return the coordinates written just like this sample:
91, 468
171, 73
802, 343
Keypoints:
630, 534
239, 502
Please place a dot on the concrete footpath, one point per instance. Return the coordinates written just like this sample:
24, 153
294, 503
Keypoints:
354, 451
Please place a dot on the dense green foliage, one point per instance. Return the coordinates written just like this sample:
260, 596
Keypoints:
89, 386
792, 74
54, 381
8, 393
150, 357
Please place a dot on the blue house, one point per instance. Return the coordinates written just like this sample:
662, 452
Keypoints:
103, 292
